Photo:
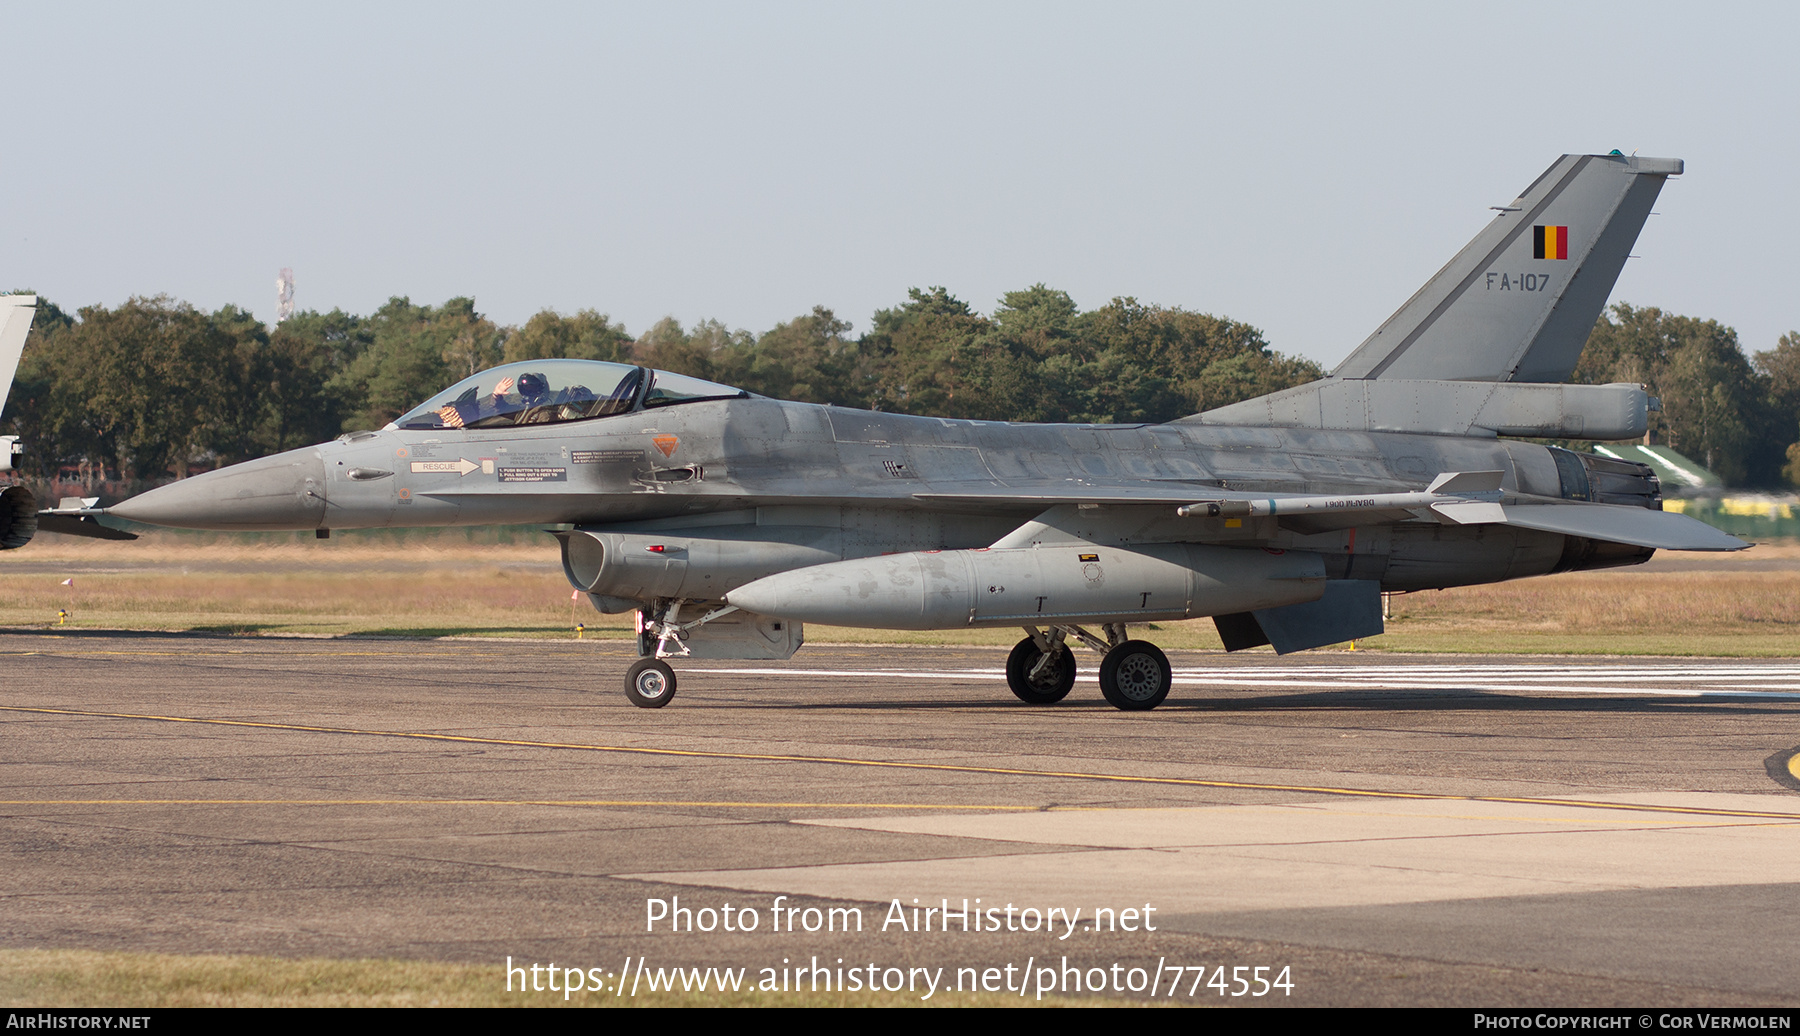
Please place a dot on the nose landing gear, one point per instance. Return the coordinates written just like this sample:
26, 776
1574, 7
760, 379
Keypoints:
650, 683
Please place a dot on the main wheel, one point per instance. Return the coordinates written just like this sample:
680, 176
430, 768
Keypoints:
1135, 676
1052, 682
650, 683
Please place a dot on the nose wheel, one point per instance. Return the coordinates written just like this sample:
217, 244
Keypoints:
1038, 677
650, 683
1135, 676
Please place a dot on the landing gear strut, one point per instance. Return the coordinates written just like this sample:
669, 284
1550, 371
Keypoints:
1041, 670
661, 634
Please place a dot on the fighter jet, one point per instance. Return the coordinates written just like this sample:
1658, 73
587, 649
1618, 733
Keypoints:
727, 521
16, 312
20, 517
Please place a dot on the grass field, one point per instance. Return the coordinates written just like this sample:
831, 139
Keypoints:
437, 585
84, 978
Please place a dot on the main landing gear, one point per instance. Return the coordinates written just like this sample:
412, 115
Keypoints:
1134, 674
1041, 674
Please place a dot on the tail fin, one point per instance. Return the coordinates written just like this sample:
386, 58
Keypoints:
1517, 303
16, 312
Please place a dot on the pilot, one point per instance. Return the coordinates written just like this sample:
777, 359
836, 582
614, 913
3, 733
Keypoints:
535, 403
533, 393
534, 390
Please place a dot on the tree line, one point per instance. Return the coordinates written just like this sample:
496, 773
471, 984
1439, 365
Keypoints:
155, 386
1738, 415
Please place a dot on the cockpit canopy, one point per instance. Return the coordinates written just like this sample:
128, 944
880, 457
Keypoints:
552, 391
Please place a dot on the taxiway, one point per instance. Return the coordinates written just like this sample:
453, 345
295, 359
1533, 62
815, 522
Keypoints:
1395, 830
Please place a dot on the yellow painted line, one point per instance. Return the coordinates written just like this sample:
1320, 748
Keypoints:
507, 802
1003, 771
205, 654
1794, 765
621, 803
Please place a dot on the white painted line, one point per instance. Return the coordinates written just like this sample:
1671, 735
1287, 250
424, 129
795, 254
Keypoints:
1775, 682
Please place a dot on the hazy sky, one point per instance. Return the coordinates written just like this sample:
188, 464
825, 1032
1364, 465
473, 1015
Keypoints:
1300, 167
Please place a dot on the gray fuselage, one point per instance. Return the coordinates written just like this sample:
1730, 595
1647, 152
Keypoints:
852, 483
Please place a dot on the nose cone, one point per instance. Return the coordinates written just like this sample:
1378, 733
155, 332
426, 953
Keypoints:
286, 491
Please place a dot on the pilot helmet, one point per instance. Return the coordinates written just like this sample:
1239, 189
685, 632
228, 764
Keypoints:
533, 386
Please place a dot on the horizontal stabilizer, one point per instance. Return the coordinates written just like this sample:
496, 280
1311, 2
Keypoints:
80, 525
1621, 523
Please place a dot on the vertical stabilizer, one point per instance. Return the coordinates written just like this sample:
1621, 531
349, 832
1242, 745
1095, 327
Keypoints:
16, 312
1517, 303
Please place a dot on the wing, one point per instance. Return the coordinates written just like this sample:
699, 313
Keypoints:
1454, 498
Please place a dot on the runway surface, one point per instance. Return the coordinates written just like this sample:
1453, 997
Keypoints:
1388, 830
1764, 680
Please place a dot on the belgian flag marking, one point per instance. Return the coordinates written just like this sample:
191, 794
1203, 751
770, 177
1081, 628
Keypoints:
1549, 242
